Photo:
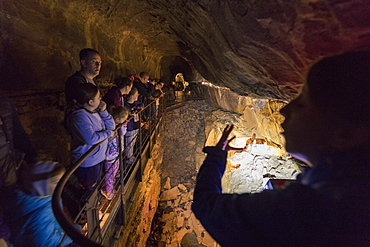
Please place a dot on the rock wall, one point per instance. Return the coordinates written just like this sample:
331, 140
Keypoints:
144, 203
184, 139
259, 116
41, 115
260, 48
40, 41
257, 129
195, 124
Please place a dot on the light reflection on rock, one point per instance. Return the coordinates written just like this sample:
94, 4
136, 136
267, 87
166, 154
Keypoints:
199, 123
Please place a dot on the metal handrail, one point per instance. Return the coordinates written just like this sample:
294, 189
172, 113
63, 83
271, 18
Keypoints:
64, 222
69, 228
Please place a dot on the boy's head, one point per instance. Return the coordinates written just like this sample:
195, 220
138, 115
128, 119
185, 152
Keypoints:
133, 94
119, 113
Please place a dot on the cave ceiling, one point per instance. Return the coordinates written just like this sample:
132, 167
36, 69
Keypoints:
257, 48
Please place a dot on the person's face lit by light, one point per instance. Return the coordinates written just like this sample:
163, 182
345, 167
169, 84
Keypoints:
92, 64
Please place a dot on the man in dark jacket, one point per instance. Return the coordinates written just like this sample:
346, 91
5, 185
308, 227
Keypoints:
328, 127
90, 62
144, 86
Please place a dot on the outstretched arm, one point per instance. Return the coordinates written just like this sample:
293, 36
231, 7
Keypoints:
231, 219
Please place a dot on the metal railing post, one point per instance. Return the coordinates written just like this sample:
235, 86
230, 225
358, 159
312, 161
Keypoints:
65, 223
122, 175
92, 213
128, 175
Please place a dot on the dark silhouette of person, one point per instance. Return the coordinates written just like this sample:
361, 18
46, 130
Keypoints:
328, 127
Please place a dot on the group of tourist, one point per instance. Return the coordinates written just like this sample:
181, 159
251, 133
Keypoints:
326, 126
112, 123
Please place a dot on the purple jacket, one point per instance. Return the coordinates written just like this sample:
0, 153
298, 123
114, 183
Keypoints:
88, 128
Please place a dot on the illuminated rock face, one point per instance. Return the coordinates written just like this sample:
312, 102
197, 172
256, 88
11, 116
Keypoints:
198, 123
255, 48
248, 171
257, 129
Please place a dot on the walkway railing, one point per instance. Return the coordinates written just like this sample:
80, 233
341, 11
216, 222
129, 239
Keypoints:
93, 220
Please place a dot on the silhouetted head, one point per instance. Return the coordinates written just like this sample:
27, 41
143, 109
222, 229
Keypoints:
144, 77
332, 113
340, 86
133, 94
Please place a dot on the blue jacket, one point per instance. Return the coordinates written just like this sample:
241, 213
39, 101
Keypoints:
88, 128
33, 222
330, 206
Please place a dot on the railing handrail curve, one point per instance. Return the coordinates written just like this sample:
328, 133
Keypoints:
64, 222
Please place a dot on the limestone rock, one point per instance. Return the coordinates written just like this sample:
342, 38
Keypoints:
167, 185
170, 194
190, 240
252, 47
201, 123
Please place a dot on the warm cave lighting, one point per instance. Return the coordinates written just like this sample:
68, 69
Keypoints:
206, 83
239, 142
260, 160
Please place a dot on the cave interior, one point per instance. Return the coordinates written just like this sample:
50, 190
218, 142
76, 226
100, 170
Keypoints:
255, 54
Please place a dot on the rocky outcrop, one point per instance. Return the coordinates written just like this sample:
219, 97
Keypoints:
255, 48
201, 123
259, 51
143, 205
183, 142
41, 116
